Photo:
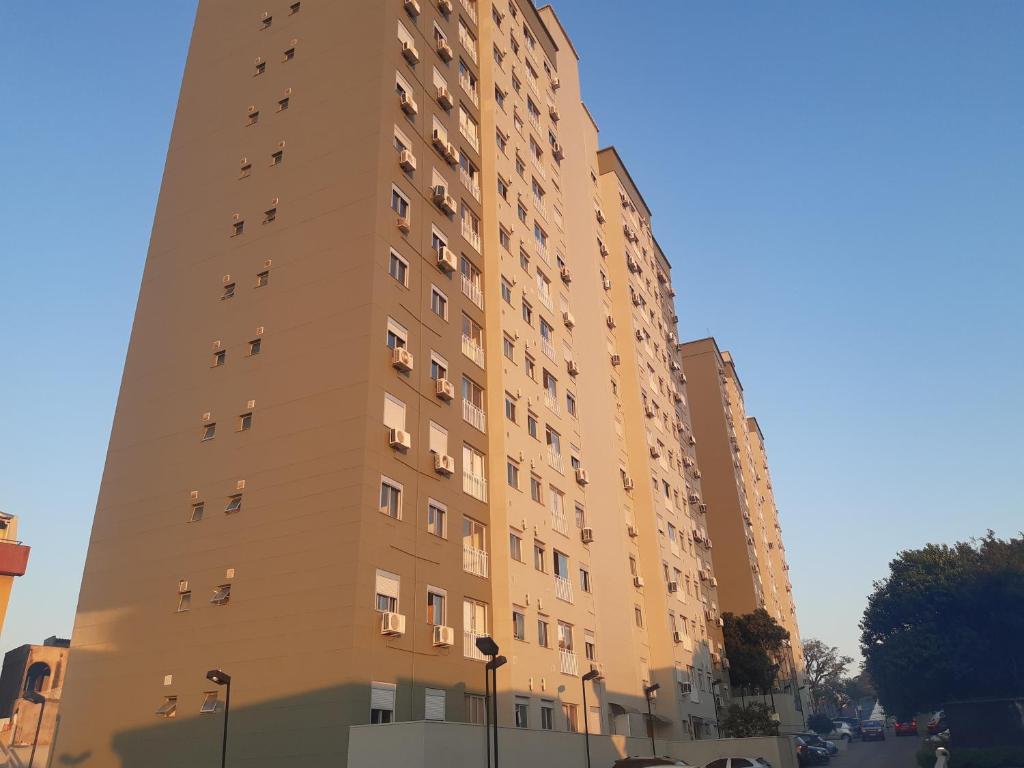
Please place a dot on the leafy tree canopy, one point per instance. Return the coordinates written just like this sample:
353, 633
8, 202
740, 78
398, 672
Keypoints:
825, 670
754, 643
947, 624
753, 720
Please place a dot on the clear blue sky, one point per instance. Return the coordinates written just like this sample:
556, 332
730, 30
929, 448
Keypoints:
840, 187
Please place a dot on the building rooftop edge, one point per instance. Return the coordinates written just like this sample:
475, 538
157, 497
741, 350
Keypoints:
610, 149
561, 27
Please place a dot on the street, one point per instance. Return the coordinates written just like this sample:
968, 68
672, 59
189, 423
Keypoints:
891, 753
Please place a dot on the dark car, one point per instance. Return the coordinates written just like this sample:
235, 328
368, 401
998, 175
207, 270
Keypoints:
815, 740
872, 730
646, 762
808, 755
906, 728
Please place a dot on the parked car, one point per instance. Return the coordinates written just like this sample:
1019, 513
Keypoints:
854, 724
815, 740
646, 762
841, 731
739, 762
808, 755
872, 730
906, 728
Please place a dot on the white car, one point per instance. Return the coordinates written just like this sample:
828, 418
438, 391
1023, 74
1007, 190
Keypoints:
739, 762
840, 731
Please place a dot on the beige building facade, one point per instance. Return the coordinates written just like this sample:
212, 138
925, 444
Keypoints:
749, 554
13, 560
403, 374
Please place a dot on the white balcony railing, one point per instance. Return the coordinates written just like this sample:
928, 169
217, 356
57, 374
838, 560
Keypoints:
470, 183
467, 86
472, 237
474, 485
569, 663
552, 403
563, 590
472, 290
470, 6
474, 561
468, 43
555, 461
560, 523
469, 649
547, 347
473, 351
474, 415
545, 299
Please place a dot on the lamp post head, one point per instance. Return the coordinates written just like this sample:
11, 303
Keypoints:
35, 698
487, 646
649, 689
497, 661
218, 676
592, 675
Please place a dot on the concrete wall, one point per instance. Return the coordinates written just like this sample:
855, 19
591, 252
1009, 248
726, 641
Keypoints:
442, 744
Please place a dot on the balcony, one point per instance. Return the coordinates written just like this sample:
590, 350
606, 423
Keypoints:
474, 485
563, 591
472, 291
468, 43
547, 347
552, 403
470, 183
13, 558
467, 87
474, 415
469, 649
555, 461
569, 663
560, 523
472, 237
470, 6
473, 351
474, 561
545, 299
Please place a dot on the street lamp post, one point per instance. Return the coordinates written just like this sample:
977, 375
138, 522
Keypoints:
488, 647
714, 695
220, 677
649, 692
493, 664
591, 675
35, 698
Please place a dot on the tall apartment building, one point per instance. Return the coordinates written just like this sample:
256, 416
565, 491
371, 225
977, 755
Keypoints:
13, 560
749, 554
403, 374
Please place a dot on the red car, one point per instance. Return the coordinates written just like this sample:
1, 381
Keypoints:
906, 729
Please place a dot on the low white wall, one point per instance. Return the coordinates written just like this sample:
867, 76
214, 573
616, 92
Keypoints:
438, 744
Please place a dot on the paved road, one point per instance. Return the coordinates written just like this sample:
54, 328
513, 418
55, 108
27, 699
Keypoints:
891, 753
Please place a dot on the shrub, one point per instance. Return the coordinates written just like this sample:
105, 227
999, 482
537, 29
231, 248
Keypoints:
991, 757
820, 723
755, 719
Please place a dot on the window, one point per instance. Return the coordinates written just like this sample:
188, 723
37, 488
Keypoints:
542, 633
254, 346
475, 708
539, 554
527, 312
554, 440
569, 713
294, 8
270, 215
501, 140
550, 385
391, 498
433, 705
565, 636
398, 268
570, 403
386, 594
508, 348
261, 67
438, 439
169, 707
530, 367
184, 601
531, 425
382, 703
512, 474
438, 367
502, 188
276, 158
518, 623
234, 504
536, 492
547, 715
589, 646
221, 595
522, 712
219, 358
436, 599
209, 431
245, 171
397, 335
289, 54
524, 260
437, 519
561, 562
394, 412
399, 202
515, 546
263, 278
283, 104
638, 616
252, 119
209, 703
438, 303
584, 579
196, 513
510, 408
521, 212
505, 238
245, 422
581, 515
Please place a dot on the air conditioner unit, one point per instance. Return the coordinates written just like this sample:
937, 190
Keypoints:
444, 464
565, 274
445, 6
444, 51
694, 498
582, 477
610, 321
714, 581
439, 139
677, 637
444, 98
407, 160
183, 586
401, 358
443, 200
638, 581
568, 319
403, 224
399, 438
557, 152
673, 586
587, 535
702, 508
555, 83
655, 453
627, 483
392, 624
708, 615
693, 440
616, 360
721, 623
649, 410
632, 531
444, 389
570, 365
412, 8
444, 637
410, 53
451, 154
600, 215
698, 474
553, 113
408, 104
605, 283
446, 259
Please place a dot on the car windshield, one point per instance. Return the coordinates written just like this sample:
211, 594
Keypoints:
872, 724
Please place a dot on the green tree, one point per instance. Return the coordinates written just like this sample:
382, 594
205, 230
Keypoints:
947, 624
754, 644
753, 720
825, 669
